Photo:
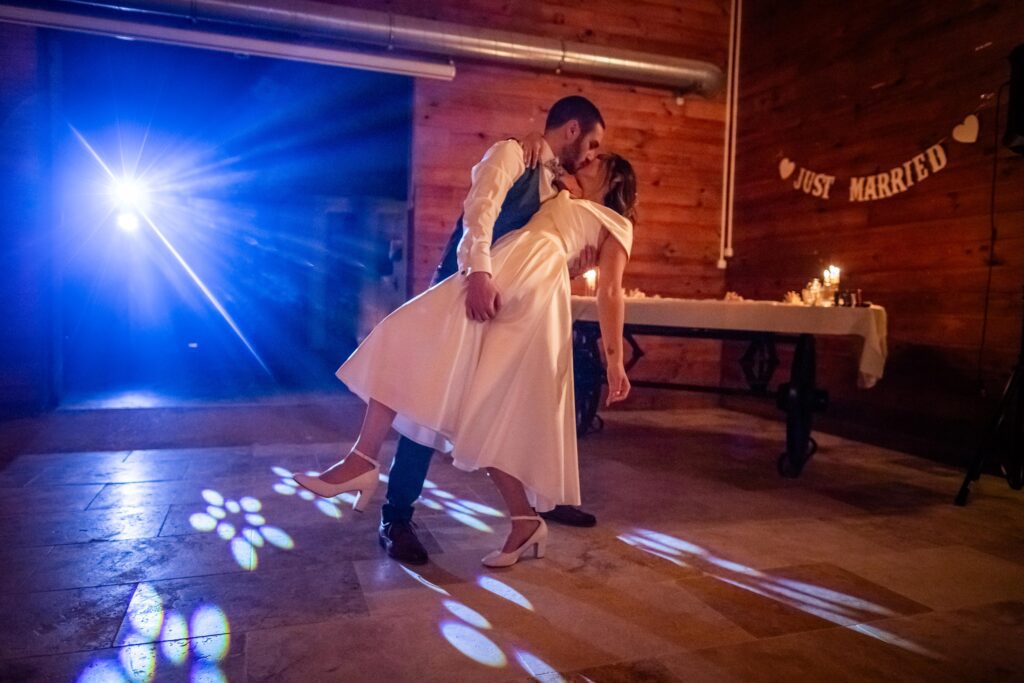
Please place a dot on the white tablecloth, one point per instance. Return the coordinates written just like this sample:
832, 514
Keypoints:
761, 316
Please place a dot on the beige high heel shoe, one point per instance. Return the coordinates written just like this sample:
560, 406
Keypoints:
538, 541
366, 484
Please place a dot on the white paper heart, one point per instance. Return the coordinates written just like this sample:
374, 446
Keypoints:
786, 168
967, 132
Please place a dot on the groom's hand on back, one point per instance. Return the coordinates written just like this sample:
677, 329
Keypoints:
483, 300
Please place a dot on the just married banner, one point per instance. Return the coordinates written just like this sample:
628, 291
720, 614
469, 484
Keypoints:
889, 183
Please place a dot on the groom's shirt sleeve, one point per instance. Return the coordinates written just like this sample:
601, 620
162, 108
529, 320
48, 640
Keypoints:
492, 178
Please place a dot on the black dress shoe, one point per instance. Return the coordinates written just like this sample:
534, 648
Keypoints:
399, 539
570, 516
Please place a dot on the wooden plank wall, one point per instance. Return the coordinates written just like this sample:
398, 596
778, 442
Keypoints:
676, 149
855, 89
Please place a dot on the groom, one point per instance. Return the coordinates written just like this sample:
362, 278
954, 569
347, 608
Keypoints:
504, 195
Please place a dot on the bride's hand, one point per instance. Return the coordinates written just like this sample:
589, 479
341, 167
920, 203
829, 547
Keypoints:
533, 147
584, 262
618, 384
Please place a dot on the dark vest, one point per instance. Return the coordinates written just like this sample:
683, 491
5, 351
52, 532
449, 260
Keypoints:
521, 202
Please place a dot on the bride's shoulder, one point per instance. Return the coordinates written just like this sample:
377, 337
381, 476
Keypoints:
608, 217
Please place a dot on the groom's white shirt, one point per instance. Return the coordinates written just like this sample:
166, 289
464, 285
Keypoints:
492, 178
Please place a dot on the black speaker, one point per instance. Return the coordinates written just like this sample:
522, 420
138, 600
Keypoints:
1014, 138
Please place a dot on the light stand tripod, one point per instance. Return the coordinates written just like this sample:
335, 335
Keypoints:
1005, 433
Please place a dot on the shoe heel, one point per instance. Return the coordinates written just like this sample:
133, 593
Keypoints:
363, 498
540, 548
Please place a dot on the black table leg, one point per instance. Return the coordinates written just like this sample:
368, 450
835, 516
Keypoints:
588, 375
800, 398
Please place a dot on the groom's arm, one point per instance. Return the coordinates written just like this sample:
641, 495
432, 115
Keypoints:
492, 178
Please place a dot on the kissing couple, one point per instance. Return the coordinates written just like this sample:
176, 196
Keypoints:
479, 366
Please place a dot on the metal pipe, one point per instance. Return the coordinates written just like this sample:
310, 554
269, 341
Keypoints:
205, 40
434, 37
734, 117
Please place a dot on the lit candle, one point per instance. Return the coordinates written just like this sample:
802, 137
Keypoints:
590, 277
835, 275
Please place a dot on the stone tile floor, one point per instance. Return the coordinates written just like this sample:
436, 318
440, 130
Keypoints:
204, 564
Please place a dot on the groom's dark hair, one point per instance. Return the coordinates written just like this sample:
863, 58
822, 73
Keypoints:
574, 107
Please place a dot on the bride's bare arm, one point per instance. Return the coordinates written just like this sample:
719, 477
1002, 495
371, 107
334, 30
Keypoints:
533, 147
611, 313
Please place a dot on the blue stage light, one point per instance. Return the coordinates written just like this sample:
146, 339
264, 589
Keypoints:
130, 193
128, 221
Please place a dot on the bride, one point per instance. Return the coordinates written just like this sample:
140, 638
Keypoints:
499, 394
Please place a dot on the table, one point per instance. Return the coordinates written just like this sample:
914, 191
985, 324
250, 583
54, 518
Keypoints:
763, 324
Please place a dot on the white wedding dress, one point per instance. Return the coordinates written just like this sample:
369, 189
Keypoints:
500, 393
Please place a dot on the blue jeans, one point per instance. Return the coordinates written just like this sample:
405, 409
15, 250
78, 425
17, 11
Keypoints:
405, 480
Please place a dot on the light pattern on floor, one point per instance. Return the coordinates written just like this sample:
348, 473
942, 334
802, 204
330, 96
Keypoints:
157, 636
254, 531
467, 634
824, 603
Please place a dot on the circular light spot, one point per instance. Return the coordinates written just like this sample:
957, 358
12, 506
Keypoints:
212, 497
175, 626
201, 521
204, 672
250, 504
212, 648
482, 509
284, 490
145, 614
244, 553
139, 661
216, 512
280, 471
233, 507
103, 671
503, 590
208, 620
174, 645
471, 521
537, 667
253, 537
175, 651
306, 495
277, 537
467, 614
255, 520
226, 530
473, 644
329, 508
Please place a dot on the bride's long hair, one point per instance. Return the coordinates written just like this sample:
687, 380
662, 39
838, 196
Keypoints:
621, 194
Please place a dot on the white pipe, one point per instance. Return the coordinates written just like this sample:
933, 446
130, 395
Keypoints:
727, 137
445, 39
734, 81
226, 43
